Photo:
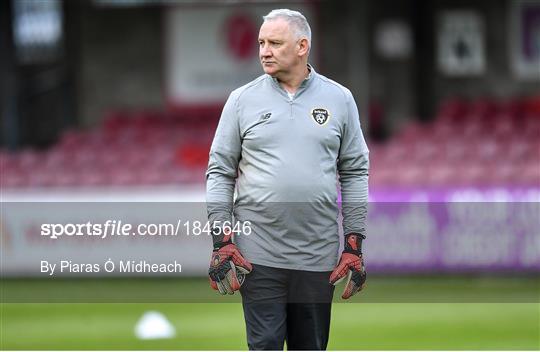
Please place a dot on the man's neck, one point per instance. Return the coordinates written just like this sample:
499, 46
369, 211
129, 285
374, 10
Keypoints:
292, 82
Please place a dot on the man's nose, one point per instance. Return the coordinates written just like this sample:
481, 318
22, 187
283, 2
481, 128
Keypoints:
265, 51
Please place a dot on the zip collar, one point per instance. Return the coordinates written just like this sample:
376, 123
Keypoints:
303, 86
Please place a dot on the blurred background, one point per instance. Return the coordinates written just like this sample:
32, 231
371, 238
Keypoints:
448, 90
118, 100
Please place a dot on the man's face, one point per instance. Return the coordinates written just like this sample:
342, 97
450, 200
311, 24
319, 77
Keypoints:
278, 49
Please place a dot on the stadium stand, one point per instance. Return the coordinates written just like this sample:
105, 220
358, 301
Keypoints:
483, 142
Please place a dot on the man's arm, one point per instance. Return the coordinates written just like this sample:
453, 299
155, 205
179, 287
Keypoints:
223, 169
353, 166
227, 265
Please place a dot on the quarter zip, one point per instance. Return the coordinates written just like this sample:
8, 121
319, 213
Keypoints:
291, 116
299, 91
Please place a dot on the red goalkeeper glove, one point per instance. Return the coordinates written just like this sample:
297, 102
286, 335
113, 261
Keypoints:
227, 267
351, 265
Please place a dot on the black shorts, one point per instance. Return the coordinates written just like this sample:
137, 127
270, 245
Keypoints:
282, 305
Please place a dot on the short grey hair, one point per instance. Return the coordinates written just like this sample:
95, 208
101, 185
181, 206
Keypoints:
295, 19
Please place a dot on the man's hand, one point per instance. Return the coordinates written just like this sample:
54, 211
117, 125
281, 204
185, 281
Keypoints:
351, 265
227, 267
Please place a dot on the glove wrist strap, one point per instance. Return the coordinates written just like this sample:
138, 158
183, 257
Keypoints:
221, 239
353, 243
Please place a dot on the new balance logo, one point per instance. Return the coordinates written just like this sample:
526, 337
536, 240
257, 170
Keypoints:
266, 116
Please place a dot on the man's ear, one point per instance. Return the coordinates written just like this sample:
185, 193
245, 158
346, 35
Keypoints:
303, 47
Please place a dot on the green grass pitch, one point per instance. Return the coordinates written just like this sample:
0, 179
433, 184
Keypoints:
374, 325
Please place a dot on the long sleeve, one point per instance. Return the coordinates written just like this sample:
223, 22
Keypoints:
353, 166
223, 161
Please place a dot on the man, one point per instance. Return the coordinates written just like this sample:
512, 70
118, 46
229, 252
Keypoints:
281, 142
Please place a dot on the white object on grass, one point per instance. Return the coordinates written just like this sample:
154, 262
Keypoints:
154, 325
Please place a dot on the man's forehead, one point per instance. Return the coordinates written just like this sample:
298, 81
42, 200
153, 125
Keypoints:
275, 27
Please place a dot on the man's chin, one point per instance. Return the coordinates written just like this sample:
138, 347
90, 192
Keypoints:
269, 71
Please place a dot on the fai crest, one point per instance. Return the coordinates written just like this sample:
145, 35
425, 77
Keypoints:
320, 115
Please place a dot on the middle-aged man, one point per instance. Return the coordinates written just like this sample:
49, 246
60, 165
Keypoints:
282, 140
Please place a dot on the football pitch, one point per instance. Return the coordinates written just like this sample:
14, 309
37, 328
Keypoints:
431, 322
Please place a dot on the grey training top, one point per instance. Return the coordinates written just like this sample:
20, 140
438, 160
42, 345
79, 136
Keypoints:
284, 155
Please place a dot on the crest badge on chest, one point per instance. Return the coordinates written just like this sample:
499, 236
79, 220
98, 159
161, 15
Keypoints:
320, 116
